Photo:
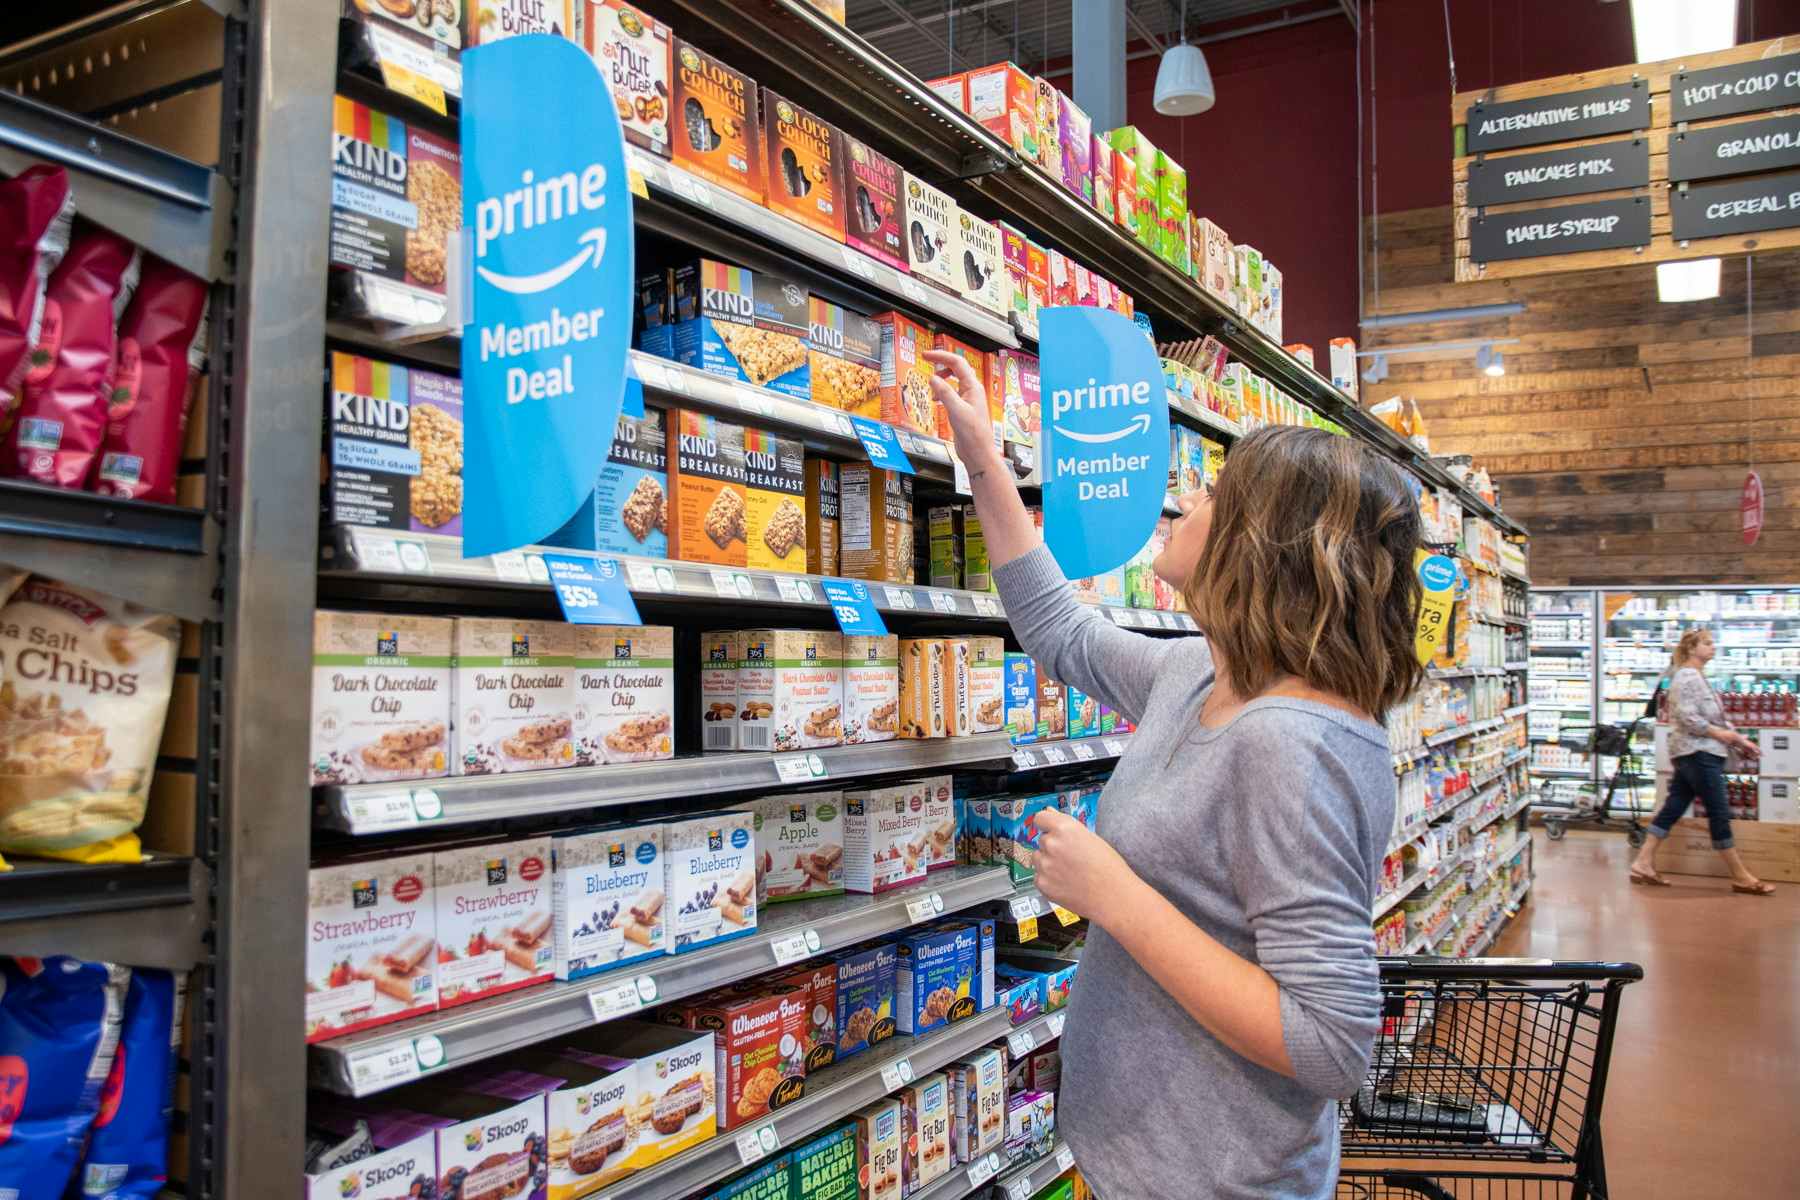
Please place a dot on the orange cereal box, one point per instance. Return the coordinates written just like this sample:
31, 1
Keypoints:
718, 125
804, 179
905, 374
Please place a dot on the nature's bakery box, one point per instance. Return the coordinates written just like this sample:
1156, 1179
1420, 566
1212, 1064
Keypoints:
801, 161
370, 944
495, 916
514, 695
707, 477
718, 123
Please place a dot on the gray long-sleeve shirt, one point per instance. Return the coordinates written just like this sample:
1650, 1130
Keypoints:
1268, 834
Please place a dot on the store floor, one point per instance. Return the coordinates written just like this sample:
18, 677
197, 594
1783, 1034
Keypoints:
1705, 1084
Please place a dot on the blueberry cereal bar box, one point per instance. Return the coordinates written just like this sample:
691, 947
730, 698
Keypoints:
495, 918
799, 845
1020, 697
607, 899
790, 689
871, 688
710, 878
925, 1116
381, 697
865, 997
934, 977
624, 693
515, 695
719, 654
884, 837
371, 944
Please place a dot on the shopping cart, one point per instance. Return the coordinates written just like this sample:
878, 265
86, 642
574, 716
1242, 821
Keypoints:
1591, 808
1496, 1062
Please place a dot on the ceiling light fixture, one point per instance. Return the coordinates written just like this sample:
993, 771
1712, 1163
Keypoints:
1664, 29
1184, 83
1377, 370
1490, 361
1680, 282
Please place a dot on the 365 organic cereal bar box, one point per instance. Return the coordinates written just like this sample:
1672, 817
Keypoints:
884, 838
775, 501
790, 689
933, 234
719, 654
607, 899
872, 223
495, 916
624, 693
801, 159
821, 516
939, 812
799, 845
395, 447
381, 697
718, 122
987, 684
707, 479
710, 878
632, 51
844, 352
371, 944
514, 695
628, 510
871, 688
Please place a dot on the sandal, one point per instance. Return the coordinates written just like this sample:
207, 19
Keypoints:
1648, 878
1759, 888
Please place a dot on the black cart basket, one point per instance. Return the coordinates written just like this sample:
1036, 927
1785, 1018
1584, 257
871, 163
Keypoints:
1487, 1081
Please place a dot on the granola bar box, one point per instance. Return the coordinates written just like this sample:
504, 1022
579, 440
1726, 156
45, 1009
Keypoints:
624, 693
718, 122
371, 944
884, 837
394, 447
868, 523
709, 879
939, 821
672, 1108
872, 219
741, 324
906, 401
759, 1050
396, 197
719, 654
495, 916
632, 52
959, 716
925, 1115
774, 501
924, 688
803, 163
380, 697
844, 356
987, 684
1015, 834
1053, 717
824, 1167
391, 1172
821, 516
628, 510
1004, 100
606, 895
791, 689
1084, 713
933, 234
707, 486
871, 688
934, 977
514, 689
771, 1180
880, 1142
799, 845
489, 1144
587, 1117
865, 997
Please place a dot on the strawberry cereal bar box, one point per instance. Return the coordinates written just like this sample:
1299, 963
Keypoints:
495, 915
370, 942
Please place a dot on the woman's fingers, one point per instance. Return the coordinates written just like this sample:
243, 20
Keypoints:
966, 380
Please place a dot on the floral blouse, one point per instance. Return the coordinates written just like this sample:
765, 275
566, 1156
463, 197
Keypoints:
1693, 706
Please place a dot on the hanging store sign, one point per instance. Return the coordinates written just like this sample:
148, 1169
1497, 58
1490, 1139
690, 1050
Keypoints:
1740, 149
1600, 225
1737, 88
1593, 112
1750, 507
1741, 206
1567, 172
1437, 600
546, 211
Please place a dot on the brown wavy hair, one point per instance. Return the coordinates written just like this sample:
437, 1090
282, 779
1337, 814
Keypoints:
1308, 570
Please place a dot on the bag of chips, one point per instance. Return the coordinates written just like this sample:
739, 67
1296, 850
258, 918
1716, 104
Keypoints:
35, 211
127, 1153
162, 344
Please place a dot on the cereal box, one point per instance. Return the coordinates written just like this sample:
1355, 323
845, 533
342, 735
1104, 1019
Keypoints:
514, 690
906, 400
1015, 836
925, 1115
939, 821
769, 1181
976, 825
1171, 212
1247, 277
819, 978
491, 1144
1343, 365
707, 483
799, 845
821, 516
370, 944
801, 160
865, 997
1049, 111
790, 689
1084, 714
871, 688
671, 1106
718, 123
1212, 459
709, 878
396, 197
934, 977
719, 654
1126, 212
1140, 592
825, 1167
1075, 135
381, 697
1062, 278
933, 234
606, 895
978, 363
1100, 159
1020, 697
1130, 142
1003, 99
983, 274
952, 89
987, 684
493, 20
394, 444
1014, 379
1037, 278
632, 51
1217, 260
1015, 259
880, 1144
624, 693
924, 688
495, 916
759, 1050
628, 510
884, 837
1052, 719
844, 354
977, 1104
869, 522
774, 501
872, 192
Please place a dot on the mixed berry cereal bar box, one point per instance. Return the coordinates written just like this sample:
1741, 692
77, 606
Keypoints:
884, 837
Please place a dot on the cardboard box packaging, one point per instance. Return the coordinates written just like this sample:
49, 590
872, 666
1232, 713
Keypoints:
1003, 100
978, 362
1062, 279
790, 689
934, 977
978, 571
718, 122
709, 879
871, 688
1084, 714
495, 915
371, 944
1021, 698
1130, 142
884, 839
382, 697
395, 446
865, 997
873, 218
720, 651
1075, 133
1037, 278
906, 400
707, 479
801, 160
983, 275
587, 1118
925, 1115
673, 1092
945, 547
632, 51
758, 1050
939, 813
987, 685
1127, 209
1172, 213
1052, 719
1100, 158
924, 688
1049, 121
514, 689
488, 1134
977, 1104
607, 899
954, 89
770, 1180
1247, 279
1343, 365
825, 1166
975, 829
898, 495
628, 510
819, 978
396, 197
959, 715
821, 516
868, 524
1015, 260
775, 501
624, 693
402, 1162
932, 227
799, 845
844, 356
880, 1144
1014, 379
834, 9
1015, 836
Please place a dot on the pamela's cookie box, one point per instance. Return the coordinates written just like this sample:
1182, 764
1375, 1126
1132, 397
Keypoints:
802, 164
799, 845
624, 693
632, 52
1019, 680
495, 918
884, 837
977, 1104
627, 512
607, 899
371, 944
871, 688
514, 688
395, 444
865, 997
819, 978
933, 234
872, 220
790, 689
925, 1115
759, 1049
718, 122
381, 697
709, 879
934, 977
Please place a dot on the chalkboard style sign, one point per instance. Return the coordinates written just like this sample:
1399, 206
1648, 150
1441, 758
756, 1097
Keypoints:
1740, 206
1741, 149
1569, 229
1592, 112
1574, 171
1737, 88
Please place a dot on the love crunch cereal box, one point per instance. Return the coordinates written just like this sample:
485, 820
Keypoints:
933, 234
872, 223
718, 122
801, 162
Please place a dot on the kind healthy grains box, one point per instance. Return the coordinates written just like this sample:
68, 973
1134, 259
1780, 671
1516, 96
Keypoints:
844, 357
743, 325
624, 693
718, 122
381, 697
396, 197
395, 447
628, 510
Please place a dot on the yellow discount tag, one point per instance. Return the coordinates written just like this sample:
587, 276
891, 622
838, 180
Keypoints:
1064, 915
409, 82
1437, 583
1028, 929
634, 178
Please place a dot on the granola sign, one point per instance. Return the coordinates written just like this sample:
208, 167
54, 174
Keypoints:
548, 238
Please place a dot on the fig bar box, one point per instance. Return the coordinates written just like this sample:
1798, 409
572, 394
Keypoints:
977, 1104
865, 998
515, 695
871, 688
719, 654
925, 1115
718, 122
790, 689
395, 446
759, 1050
495, 917
880, 1144
775, 501
933, 234
628, 510
371, 944
396, 197
707, 486
844, 359
884, 837
872, 223
624, 693
709, 879
802, 162
380, 697
607, 899
821, 516
799, 845
632, 51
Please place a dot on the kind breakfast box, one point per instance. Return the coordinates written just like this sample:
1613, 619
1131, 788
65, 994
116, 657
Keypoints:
872, 223
871, 688
706, 478
924, 688
822, 511
884, 837
983, 281
880, 1143
495, 917
514, 695
925, 1116
799, 845
628, 510
607, 899
933, 233
759, 1050
1020, 697
396, 446
844, 353
939, 821
381, 697
396, 197
977, 1104
632, 51
865, 997
791, 689
934, 977
775, 501
719, 654
709, 878
718, 121
624, 693
370, 944
802, 161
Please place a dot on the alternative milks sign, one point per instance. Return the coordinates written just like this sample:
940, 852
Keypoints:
1565, 117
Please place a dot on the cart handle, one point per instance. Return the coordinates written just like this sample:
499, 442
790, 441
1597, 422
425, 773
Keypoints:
1475, 969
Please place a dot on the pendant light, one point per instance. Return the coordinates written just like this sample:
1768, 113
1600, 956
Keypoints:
1184, 83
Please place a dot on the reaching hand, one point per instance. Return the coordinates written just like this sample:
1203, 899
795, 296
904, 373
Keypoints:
1077, 868
966, 403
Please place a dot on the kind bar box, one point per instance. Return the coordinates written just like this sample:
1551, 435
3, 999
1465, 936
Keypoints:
977, 1104
1003, 99
1021, 697
775, 501
395, 446
884, 837
396, 197
933, 234
719, 654
707, 478
939, 821
934, 977
844, 359
880, 1144
371, 944
380, 697
709, 878
866, 531
624, 693
865, 997
759, 1050
718, 124
906, 401
897, 495
632, 51
799, 845
925, 1115
745, 325
628, 510
825, 1167
924, 688
495, 916
1014, 379
872, 222
607, 899
821, 492
982, 279
790, 689
987, 684
672, 1108
515, 695
871, 688
802, 161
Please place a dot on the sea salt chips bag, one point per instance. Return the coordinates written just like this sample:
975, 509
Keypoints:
162, 343
36, 209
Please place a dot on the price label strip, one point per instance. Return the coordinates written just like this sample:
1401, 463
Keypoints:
619, 999
1021, 1043
1065, 1158
383, 1067
1022, 760
982, 1170
1028, 930
854, 607
1054, 1024
791, 948
896, 1074
754, 1145
1064, 915
1019, 1189
1023, 907
379, 811
920, 910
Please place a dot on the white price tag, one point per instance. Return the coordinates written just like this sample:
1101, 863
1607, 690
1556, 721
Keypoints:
651, 374
1024, 906
787, 590
1021, 1043
906, 1075
1054, 1023
665, 578
642, 577
793, 768
534, 563
960, 475
510, 566
944, 602
427, 804
1055, 756
1065, 1158
691, 189
890, 1077
413, 558
920, 910
1083, 751
383, 1067
1114, 747
791, 948
372, 812
804, 588
816, 765
981, 1170
1023, 761
1019, 1189
745, 589
913, 291
617, 999
758, 405
724, 585
377, 554
858, 265
986, 606
754, 1145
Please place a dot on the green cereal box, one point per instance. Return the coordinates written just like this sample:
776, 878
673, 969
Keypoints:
824, 1168
1213, 454
1140, 584
770, 1181
1172, 213
978, 568
1129, 141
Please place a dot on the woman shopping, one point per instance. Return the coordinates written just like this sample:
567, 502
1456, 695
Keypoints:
1229, 990
1699, 742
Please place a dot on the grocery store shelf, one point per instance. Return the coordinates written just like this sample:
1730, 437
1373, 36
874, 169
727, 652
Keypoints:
487, 1028
1027, 1179
1563, 645
1406, 758
1384, 904
1463, 731
1517, 710
1069, 752
1517, 756
1560, 612
370, 808
1145, 618
1208, 420
1517, 666
1563, 772
1463, 672
148, 914
1409, 834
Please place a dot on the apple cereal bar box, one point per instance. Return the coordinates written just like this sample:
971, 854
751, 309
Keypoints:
624, 693
880, 1144
799, 845
607, 899
884, 837
709, 878
495, 916
790, 689
371, 944
871, 688
381, 697
515, 695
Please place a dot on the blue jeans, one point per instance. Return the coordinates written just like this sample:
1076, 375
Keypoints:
1698, 776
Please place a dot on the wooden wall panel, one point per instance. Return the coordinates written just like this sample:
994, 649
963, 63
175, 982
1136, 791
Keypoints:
1621, 433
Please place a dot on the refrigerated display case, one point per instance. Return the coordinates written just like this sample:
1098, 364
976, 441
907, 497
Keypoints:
1562, 693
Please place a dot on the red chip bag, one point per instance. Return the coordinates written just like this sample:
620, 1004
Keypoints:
61, 420
35, 211
159, 347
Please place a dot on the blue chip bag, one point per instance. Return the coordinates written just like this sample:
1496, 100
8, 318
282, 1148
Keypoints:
59, 1027
127, 1152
